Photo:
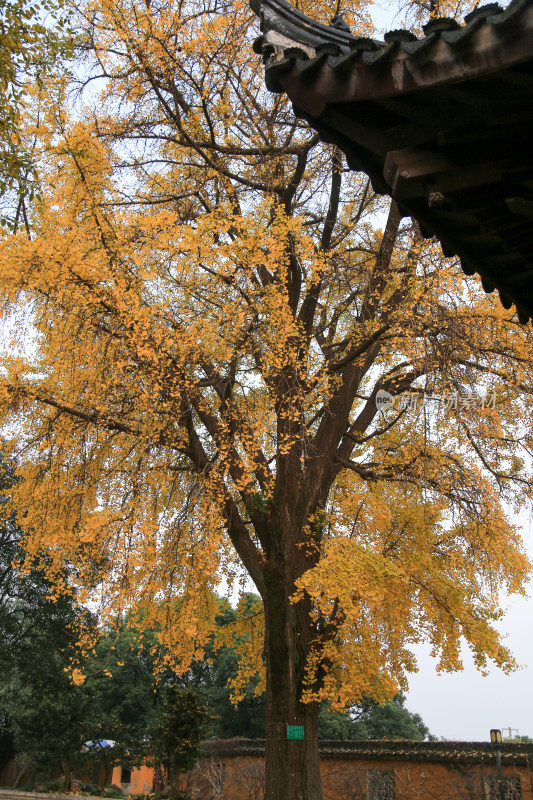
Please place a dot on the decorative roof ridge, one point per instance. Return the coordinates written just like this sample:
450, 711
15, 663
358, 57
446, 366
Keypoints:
512, 753
415, 744
282, 18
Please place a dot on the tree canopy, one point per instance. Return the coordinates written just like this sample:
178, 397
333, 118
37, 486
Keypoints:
241, 359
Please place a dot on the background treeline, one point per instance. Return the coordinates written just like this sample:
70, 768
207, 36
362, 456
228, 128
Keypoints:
53, 699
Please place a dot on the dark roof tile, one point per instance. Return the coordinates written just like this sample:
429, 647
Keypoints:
481, 13
400, 35
440, 24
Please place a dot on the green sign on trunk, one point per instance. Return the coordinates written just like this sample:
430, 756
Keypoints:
295, 732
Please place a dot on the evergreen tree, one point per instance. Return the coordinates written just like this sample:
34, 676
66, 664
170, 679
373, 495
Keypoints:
176, 737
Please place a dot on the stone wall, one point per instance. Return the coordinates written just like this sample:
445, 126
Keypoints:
374, 771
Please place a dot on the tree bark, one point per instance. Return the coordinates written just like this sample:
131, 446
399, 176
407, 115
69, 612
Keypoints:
67, 775
292, 767
19, 777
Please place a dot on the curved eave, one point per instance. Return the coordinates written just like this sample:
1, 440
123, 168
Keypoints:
395, 102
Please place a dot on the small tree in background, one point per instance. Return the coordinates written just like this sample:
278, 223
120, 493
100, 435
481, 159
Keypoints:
370, 720
178, 733
392, 720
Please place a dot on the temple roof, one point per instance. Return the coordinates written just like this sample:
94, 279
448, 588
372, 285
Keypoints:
441, 123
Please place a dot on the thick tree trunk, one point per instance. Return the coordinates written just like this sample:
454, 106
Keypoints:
292, 770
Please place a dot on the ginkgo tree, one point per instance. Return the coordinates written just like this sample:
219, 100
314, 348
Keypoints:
228, 357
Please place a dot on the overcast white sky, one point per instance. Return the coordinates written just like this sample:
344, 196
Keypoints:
466, 705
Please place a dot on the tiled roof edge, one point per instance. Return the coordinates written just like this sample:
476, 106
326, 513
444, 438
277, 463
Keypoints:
280, 17
513, 753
